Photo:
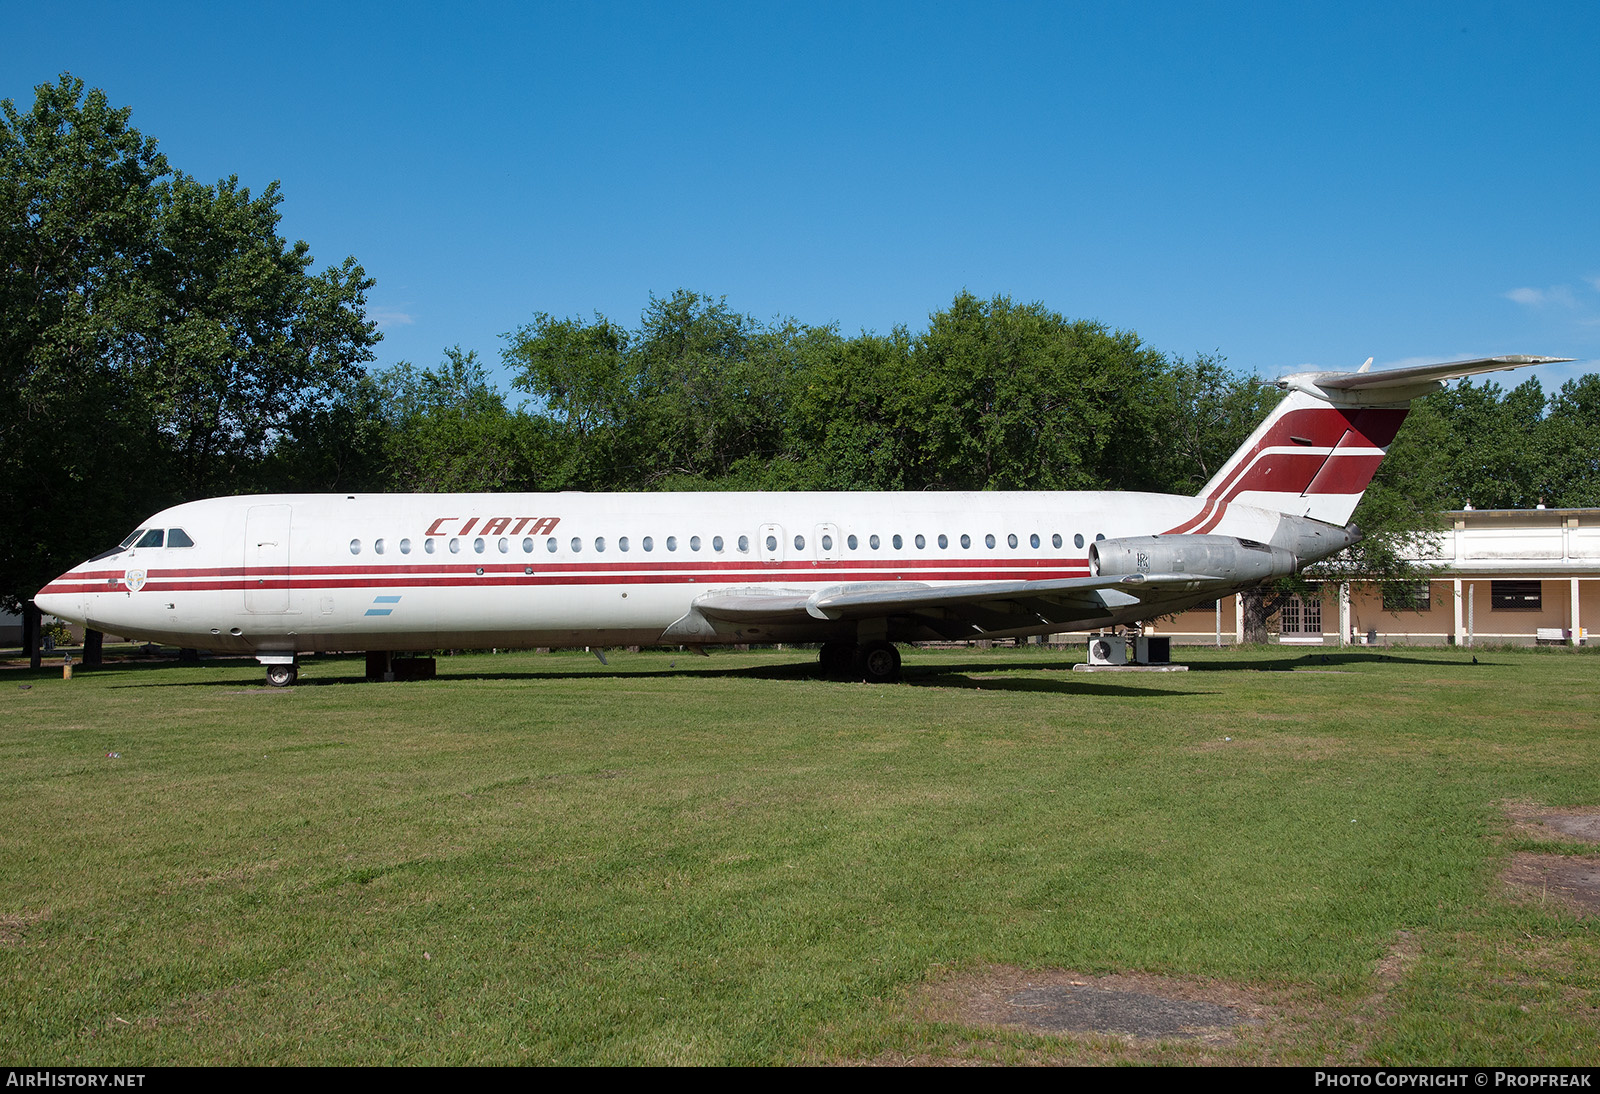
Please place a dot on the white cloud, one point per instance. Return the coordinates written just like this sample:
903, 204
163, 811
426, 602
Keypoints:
390, 317
1558, 295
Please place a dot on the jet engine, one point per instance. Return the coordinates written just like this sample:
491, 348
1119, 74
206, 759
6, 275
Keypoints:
1238, 561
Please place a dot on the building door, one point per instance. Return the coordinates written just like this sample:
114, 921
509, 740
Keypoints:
1300, 620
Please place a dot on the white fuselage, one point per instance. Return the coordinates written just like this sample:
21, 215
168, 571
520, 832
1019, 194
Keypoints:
305, 573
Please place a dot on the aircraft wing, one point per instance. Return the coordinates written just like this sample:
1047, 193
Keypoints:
955, 611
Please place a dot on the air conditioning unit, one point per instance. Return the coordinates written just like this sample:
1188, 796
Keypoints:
1108, 650
1152, 650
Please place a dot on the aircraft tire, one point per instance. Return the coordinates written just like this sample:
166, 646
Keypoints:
879, 663
281, 676
837, 660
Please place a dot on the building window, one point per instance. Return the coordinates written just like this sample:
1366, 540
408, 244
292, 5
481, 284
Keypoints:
1401, 596
1516, 596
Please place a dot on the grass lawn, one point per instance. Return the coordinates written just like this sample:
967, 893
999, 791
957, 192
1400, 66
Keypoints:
674, 859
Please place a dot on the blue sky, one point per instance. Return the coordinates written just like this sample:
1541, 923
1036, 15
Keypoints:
1286, 184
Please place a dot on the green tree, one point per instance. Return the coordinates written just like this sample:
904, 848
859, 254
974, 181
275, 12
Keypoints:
712, 387
244, 339
1569, 444
846, 428
79, 195
584, 381
1205, 413
1016, 397
448, 428
158, 340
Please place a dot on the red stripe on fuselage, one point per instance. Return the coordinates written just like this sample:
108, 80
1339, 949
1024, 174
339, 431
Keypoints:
805, 573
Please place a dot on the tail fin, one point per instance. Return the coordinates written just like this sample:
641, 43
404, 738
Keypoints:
1319, 448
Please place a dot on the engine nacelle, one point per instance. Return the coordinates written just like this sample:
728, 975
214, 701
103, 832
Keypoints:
1238, 561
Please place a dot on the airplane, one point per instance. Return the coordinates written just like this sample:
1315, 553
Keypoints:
279, 576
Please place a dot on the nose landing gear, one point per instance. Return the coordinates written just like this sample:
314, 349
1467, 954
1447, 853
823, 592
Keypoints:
281, 669
281, 676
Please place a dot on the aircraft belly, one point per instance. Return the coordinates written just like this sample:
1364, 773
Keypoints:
397, 617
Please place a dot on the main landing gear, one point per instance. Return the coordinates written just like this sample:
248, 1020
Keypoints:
874, 662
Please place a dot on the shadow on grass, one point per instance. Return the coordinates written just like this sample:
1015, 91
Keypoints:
1033, 677
1024, 673
1267, 662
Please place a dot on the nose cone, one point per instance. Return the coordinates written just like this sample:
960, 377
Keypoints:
63, 598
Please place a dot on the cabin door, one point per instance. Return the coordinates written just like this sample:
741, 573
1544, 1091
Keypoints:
266, 559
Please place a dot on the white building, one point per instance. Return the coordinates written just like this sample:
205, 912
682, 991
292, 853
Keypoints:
1505, 576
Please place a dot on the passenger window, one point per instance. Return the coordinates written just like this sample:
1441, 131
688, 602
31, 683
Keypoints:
1011, 541
744, 544
1055, 540
921, 542
799, 543
355, 546
1098, 536
405, 546
177, 537
505, 546
377, 545
600, 543
897, 541
152, 538
988, 540
427, 545
622, 543
577, 545
694, 543
1033, 540
872, 541
716, 544
851, 541
477, 545
527, 545
944, 541
827, 543
455, 546
647, 543
966, 542
1077, 540
672, 543
550, 544
772, 543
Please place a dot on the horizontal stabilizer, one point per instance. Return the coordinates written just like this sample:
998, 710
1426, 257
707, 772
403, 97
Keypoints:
1422, 374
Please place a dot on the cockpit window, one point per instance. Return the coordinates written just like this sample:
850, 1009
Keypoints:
129, 541
177, 537
152, 538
